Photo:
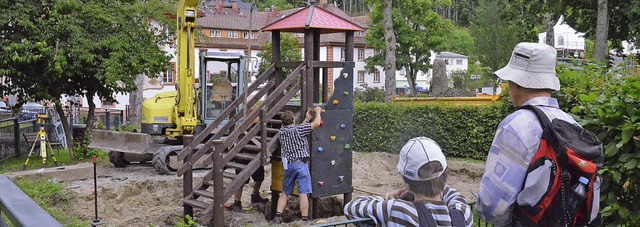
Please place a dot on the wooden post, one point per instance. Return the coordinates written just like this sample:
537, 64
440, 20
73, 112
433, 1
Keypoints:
325, 84
263, 136
16, 135
218, 187
187, 180
348, 50
276, 56
107, 120
346, 198
316, 71
307, 92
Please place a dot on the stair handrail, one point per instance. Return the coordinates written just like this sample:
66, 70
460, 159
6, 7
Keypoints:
253, 115
280, 101
231, 108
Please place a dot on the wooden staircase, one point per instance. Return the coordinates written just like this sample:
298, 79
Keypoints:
234, 136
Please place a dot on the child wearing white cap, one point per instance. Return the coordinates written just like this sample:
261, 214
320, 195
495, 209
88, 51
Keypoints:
428, 200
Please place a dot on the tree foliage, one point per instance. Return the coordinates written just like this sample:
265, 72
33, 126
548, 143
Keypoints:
94, 48
288, 49
623, 14
418, 30
498, 27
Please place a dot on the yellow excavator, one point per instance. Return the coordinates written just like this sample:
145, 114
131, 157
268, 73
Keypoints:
168, 116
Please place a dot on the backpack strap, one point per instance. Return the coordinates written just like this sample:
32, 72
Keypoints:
542, 117
426, 219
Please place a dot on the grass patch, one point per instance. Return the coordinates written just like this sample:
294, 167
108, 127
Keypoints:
467, 160
53, 197
35, 162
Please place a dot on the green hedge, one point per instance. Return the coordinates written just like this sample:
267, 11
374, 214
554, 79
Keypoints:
461, 131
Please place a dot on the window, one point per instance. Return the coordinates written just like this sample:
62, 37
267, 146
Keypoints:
360, 76
376, 77
235, 34
106, 103
360, 34
360, 54
229, 34
560, 40
168, 76
446, 61
245, 35
342, 54
458, 62
253, 35
216, 33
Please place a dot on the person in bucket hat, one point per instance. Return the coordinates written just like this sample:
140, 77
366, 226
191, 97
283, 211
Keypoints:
532, 78
427, 201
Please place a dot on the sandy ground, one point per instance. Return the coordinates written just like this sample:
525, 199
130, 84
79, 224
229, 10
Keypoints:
138, 196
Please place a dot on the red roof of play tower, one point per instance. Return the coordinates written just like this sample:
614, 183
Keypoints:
313, 17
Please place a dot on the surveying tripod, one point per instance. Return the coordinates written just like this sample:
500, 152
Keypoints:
45, 146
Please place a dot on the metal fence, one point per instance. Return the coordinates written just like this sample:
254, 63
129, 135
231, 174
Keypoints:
109, 118
11, 139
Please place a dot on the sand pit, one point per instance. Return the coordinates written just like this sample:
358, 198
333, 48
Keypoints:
138, 196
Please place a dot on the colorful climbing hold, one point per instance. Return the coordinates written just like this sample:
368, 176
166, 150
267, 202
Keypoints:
321, 123
320, 149
345, 93
343, 126
333, 162
333, 138
335, 102
345, 75
341, 178
320, 183
347, 146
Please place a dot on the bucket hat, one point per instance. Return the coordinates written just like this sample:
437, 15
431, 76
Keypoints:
532, 65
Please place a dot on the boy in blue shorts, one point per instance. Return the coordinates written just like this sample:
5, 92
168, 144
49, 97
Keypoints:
295, 155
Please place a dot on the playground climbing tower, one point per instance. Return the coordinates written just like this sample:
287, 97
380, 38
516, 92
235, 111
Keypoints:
233, 135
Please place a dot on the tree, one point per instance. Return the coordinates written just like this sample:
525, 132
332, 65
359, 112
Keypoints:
602, 28
390, 50
620, 22
288, 49
418, 29
73, 47
135, 102
496, 31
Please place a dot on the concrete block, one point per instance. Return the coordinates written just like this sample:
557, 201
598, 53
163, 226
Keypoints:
64, 173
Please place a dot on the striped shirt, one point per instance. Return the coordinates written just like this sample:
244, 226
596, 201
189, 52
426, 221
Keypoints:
293, 140
516, 141
397, 212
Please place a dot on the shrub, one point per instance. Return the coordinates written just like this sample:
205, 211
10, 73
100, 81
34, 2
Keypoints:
606, 103
461, 131
368, 94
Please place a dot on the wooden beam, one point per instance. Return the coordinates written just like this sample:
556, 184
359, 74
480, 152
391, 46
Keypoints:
326, 64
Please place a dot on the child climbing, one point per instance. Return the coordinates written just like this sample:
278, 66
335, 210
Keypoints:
295, 155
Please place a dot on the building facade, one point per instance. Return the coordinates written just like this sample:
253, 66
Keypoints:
232, 26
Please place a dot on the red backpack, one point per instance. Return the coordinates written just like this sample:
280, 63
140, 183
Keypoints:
562, 187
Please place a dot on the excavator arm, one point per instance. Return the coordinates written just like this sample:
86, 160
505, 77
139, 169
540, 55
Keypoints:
185, 114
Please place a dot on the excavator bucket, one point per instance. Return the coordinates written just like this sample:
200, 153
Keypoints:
127, 142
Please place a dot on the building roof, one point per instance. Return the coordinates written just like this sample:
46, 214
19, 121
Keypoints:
228, 4
313, 17
231, 20
446, 54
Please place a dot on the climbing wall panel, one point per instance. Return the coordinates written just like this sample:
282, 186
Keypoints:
331, 145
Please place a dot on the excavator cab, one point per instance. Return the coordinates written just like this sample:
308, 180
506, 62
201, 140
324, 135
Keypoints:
222, 87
